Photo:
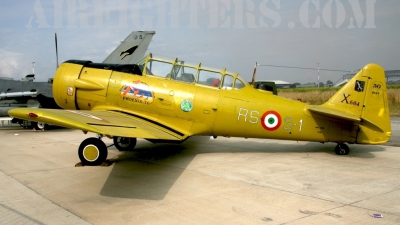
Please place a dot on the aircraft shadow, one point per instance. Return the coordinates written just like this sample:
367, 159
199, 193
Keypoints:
147, 173
151, 170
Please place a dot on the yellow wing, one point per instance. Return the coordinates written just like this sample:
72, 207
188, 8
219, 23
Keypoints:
108, 123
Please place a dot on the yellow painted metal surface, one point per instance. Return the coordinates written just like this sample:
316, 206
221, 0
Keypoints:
173, 99
64, 90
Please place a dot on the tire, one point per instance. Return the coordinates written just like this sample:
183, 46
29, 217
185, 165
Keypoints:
124, 143
92, 152
39, 126
342, 149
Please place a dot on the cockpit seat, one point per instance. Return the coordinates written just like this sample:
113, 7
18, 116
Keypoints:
216, 82
187, 77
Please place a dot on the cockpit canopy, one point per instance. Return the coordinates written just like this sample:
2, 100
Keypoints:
183, 71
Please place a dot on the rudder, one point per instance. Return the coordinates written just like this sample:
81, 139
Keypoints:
376, 108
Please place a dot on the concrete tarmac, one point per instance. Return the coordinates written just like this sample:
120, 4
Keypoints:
202, 181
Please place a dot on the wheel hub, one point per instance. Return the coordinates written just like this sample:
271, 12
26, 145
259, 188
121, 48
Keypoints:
40, 125
124, 142
91, 153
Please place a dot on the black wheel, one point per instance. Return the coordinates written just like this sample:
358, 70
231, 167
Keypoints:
92, 152
342, 149
39, 125
124, 143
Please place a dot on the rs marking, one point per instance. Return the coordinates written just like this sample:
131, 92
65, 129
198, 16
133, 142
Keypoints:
245, 114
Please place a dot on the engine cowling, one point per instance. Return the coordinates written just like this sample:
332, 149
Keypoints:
64, 90
83, 85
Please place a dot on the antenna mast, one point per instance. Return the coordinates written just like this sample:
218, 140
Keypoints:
254, 75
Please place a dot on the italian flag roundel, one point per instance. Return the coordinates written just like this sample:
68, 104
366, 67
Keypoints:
271, 120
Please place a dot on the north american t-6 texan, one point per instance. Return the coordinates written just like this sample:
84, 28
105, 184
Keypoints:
167, 99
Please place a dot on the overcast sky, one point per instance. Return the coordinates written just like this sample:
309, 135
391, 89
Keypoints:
338, 34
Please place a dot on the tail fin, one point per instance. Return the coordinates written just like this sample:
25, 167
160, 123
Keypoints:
132, 49
365, 97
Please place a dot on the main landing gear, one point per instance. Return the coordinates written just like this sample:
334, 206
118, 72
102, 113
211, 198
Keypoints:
124, 143
342, 149
39, 126
93, 151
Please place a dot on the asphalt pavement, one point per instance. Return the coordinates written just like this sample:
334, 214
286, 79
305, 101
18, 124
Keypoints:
202, 181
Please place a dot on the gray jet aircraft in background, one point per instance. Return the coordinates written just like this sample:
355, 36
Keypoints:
26, 93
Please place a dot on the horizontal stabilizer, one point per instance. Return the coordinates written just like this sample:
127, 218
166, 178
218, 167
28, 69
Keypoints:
334, 113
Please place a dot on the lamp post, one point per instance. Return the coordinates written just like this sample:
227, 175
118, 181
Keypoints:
33, 67
318, 74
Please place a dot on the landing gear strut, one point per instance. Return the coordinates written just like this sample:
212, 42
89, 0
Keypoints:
342, 149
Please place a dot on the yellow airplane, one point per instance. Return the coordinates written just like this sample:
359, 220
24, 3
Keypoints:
164, 99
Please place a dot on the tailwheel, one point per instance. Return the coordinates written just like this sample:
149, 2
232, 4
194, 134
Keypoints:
342, 149
124, 143
92, 152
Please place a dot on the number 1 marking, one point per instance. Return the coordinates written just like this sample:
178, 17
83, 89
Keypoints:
301, 124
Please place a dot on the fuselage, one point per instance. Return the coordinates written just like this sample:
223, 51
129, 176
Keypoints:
193, 99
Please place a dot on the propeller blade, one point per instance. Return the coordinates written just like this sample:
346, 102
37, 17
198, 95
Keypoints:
56, 49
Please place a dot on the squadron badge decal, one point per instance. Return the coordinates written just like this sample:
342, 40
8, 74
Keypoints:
137, 92
129, 51
70, 91
186, 105
359, 87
